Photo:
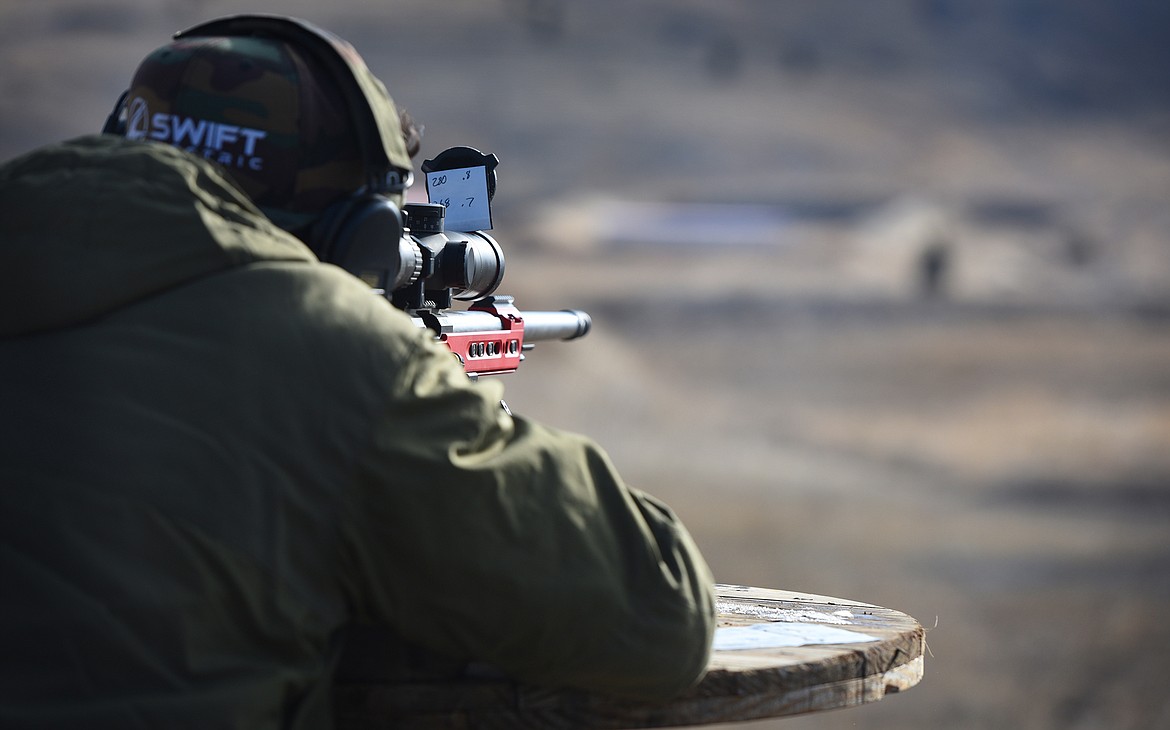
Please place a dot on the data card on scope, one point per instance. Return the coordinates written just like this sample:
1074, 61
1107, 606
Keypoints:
464, 193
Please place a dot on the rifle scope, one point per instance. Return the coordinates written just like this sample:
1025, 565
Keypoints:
428, 266
452, 264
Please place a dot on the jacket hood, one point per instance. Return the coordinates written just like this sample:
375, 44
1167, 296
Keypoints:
99, 222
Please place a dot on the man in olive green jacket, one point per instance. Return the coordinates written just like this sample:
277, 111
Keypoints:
217, 453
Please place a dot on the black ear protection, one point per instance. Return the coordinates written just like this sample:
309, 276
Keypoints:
361, 231
116, 122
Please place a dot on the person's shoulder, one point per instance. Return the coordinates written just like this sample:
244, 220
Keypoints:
332, 307
354, 330
108, 153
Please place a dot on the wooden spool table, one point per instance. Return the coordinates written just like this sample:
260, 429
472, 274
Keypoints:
761, 667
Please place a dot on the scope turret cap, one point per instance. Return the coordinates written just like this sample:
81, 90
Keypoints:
272, 116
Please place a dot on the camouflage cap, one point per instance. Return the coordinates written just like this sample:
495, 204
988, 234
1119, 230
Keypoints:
265, 111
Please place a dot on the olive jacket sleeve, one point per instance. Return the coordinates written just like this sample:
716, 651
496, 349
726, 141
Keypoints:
490, 537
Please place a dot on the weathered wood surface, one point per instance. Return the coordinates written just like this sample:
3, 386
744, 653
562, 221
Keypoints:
740, 684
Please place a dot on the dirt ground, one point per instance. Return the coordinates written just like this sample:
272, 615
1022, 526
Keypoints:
881, 292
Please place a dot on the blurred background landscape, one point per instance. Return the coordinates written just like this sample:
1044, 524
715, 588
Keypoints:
881, 291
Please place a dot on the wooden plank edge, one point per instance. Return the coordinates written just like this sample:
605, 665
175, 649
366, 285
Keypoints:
534, 714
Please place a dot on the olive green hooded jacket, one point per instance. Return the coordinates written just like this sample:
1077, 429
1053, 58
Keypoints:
216, 452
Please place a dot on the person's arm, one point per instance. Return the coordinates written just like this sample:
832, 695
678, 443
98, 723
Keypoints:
492, 538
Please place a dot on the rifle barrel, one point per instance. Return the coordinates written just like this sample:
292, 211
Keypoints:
565, 324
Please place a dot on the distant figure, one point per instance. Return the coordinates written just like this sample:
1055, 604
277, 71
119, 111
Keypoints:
933, 263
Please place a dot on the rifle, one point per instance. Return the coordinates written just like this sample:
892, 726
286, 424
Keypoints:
441, 258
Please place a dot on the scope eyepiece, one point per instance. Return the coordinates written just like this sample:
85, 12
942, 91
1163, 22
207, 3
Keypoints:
369, 243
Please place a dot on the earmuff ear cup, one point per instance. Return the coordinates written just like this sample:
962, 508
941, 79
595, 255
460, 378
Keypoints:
326, 230
364, 235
